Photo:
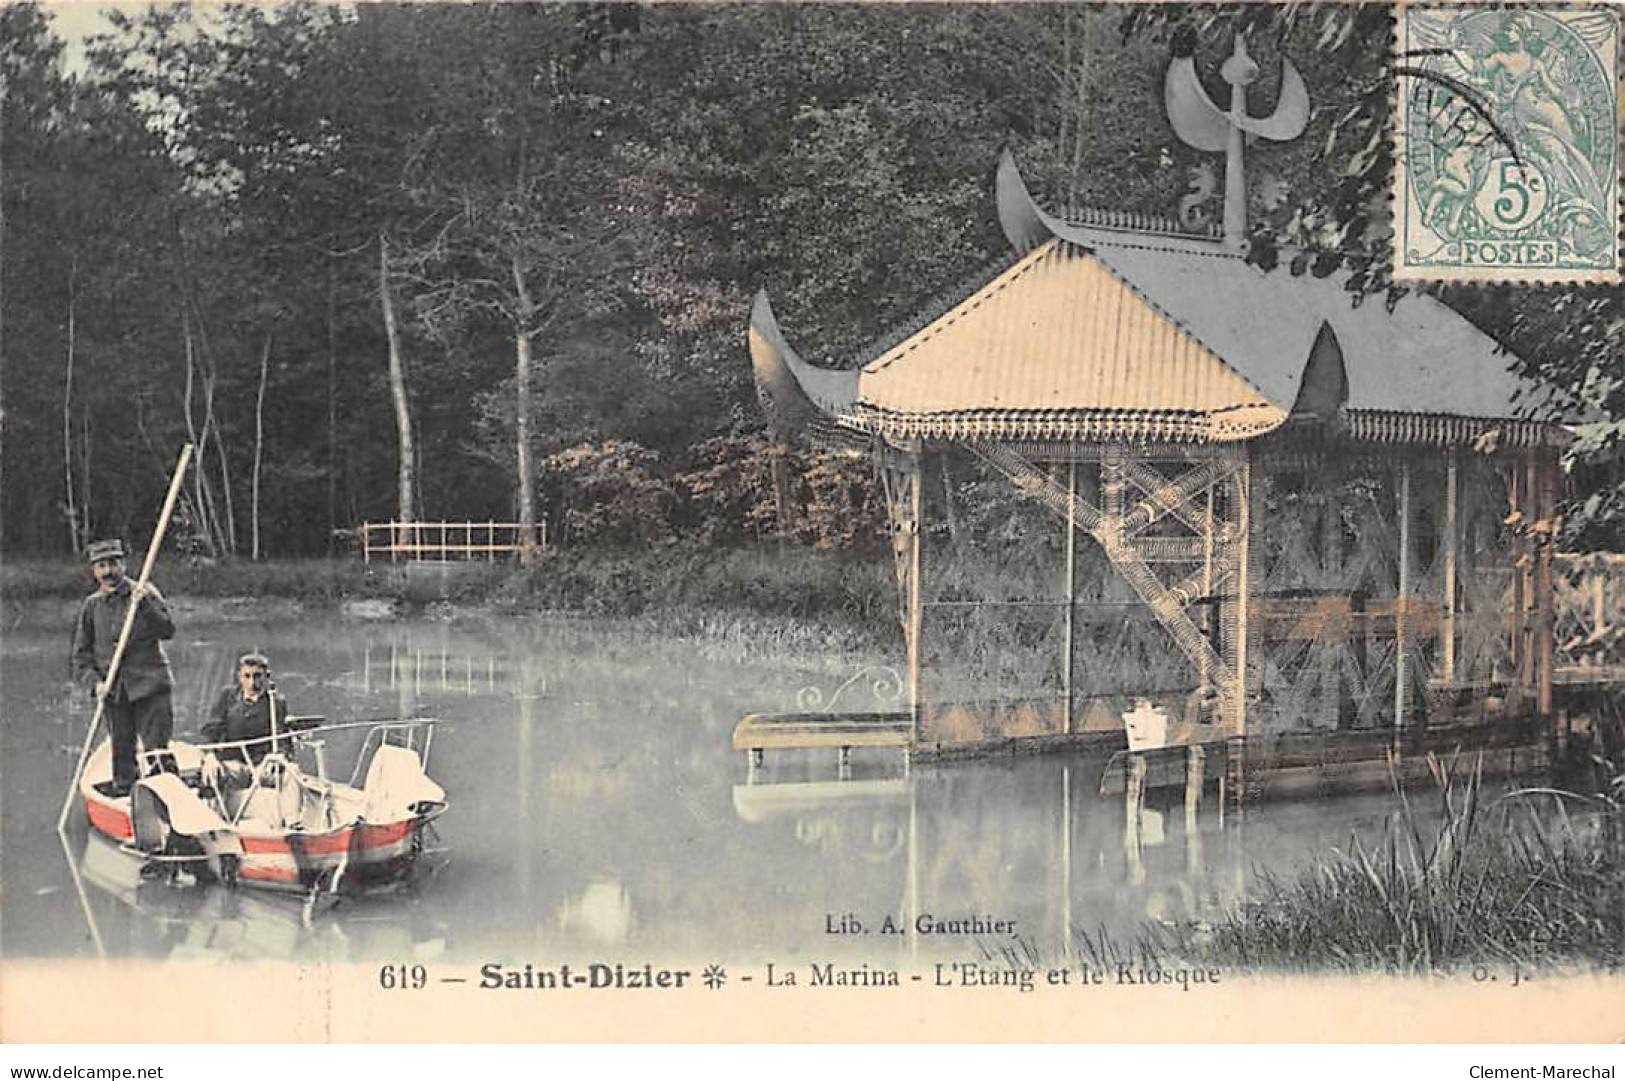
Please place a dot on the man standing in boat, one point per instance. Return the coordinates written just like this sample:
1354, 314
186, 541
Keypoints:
137, 701
249, 710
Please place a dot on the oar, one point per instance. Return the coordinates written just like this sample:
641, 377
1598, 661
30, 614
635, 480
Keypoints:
124, 632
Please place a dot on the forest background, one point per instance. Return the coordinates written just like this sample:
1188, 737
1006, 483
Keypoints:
481, 263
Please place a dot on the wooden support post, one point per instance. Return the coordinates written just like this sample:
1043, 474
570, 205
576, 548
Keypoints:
1111, 486
1545, 615
916, 609
1195, 764
1339, 708
1195, 777
1244, 528
1070, 587
1402, 600
1528, 662
1133, 807
1235, 773
1515, 605
1452, 547
1206, 670
1599, 602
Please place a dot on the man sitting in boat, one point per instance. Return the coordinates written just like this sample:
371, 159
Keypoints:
249, 710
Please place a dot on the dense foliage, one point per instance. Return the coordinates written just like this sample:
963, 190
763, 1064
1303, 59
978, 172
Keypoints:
570, 207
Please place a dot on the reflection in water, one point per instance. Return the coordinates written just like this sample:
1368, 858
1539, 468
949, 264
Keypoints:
153, 917
1094, 869
603, 913
597, 810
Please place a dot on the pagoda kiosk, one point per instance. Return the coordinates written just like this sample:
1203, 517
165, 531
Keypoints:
1245, 497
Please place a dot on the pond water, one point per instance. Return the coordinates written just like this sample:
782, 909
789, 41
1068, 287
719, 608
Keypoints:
597, 811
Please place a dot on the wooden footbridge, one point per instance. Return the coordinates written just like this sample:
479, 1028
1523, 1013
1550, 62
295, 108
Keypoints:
447, 542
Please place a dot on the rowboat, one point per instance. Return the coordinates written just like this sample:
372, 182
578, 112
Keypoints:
278, 822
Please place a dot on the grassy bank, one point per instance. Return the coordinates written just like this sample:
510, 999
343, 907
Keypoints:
1535, 880
854, 598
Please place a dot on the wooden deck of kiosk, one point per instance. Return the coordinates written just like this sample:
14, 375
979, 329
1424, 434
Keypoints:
761, 732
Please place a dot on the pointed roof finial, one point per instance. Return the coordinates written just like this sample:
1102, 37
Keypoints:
1202, 125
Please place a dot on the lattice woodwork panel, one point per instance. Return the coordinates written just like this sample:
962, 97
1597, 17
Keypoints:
1589, 603
1484, 578
1326, 576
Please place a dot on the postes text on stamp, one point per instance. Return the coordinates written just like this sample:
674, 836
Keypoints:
1507, 156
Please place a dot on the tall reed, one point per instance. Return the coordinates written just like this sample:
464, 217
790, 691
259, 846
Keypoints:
1534, 876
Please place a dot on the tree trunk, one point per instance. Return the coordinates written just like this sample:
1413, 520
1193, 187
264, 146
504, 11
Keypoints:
521, 427
211, 423
225, 530
784, 505
332, 416
87, 524
527, 505
202, 500
397, 386
259, 445
75, 538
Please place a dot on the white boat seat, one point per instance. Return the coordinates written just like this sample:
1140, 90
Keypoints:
396, 786
163, 804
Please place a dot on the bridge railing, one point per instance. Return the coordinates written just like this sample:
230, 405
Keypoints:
447, 542
1589, 608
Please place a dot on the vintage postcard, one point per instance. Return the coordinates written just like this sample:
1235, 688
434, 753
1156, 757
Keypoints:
827, 522
1508, 135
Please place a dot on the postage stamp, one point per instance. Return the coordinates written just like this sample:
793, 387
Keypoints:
1507, 155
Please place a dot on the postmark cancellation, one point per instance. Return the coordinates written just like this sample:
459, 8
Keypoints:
1507, 143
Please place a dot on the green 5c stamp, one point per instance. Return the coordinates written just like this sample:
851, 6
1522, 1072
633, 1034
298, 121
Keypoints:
1507, 164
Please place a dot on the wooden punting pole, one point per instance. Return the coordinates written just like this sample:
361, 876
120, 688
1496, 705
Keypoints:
110, 679
1402, 601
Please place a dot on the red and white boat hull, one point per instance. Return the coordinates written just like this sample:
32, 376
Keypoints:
295, 858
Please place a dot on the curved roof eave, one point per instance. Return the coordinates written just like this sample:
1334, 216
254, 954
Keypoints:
793, 392
1024, 222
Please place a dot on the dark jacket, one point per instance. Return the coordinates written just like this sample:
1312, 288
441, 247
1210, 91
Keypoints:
144, 671
231, 718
